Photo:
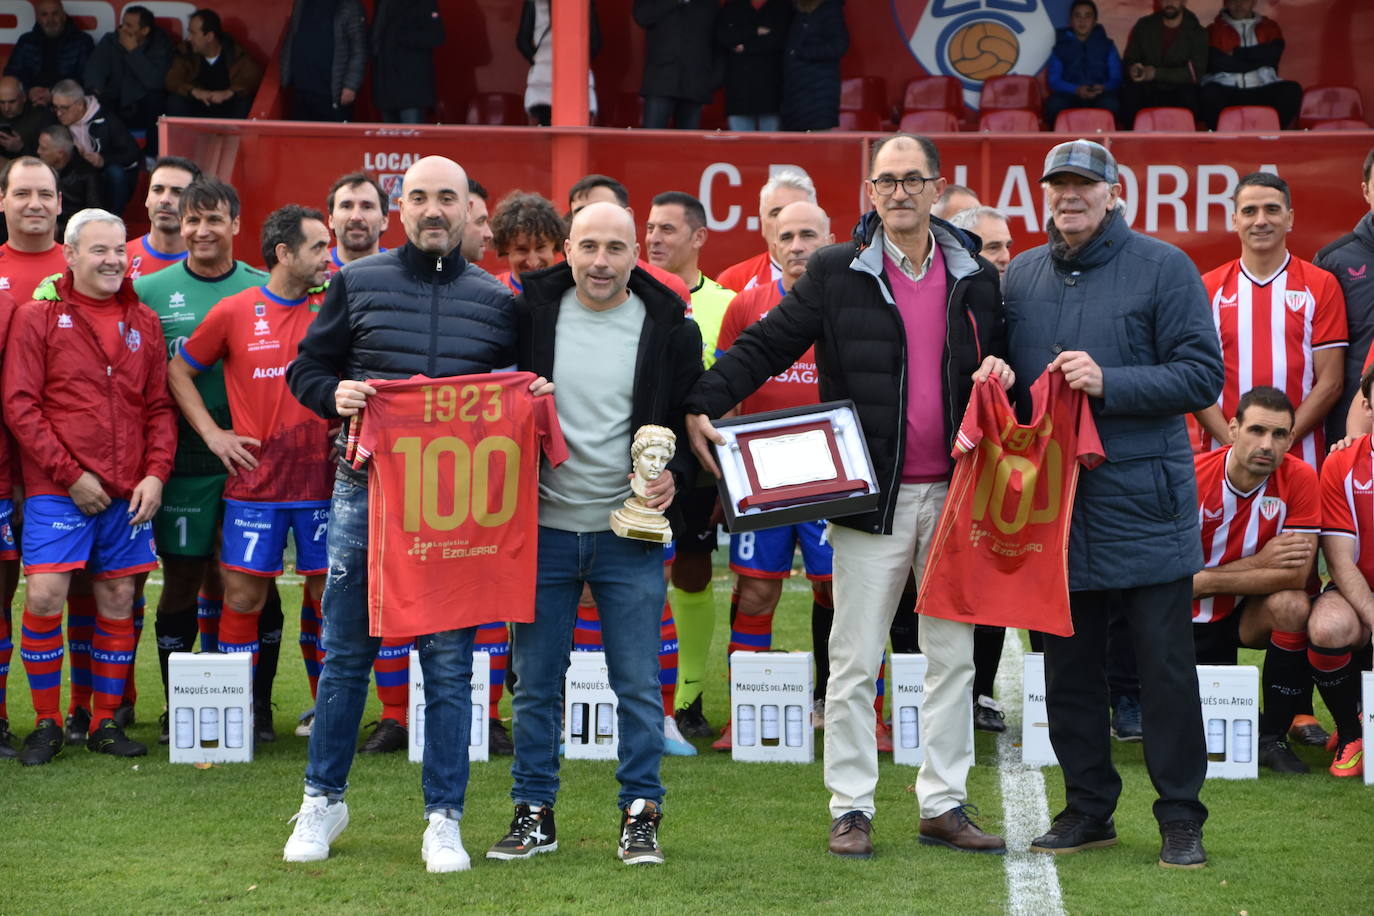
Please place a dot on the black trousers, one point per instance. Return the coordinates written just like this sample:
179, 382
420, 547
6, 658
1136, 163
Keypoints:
1076, 695
1285, 97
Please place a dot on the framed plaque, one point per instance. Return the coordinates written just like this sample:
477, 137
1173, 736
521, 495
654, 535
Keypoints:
796, 465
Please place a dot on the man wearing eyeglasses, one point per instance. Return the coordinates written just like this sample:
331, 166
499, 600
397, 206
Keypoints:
922, 319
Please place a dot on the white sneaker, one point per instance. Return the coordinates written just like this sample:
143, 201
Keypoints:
306, 723
443, 849
318, 824
674, 745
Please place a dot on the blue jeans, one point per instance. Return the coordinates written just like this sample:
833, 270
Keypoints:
626, 578
743, 123
446, 659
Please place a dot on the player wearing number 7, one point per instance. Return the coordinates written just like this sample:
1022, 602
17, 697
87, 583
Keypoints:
278, 451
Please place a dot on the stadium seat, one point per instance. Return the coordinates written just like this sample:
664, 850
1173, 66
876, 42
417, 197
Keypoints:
934, 93
1085, 121
1164, 119
859, 120
497, 108
1014, 121
1003, 92
1327, 103
929, 122
1248, 117
1340, 124
863, 93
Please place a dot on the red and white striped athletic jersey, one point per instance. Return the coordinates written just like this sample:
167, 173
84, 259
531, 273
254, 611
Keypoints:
1269, 330
1348, 500
1236, 525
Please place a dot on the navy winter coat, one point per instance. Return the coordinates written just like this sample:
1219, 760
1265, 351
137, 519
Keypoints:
1137, 306
1350, 258
811, 68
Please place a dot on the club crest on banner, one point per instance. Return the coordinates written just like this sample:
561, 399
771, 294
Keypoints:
973, 40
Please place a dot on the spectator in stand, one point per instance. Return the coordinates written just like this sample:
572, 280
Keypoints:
786, 187
528, 232
212, 75
78, 182
956, 199
1347, 258
752, 35
102, 139
54, 49
534, 41
477, 236
127, 72
323, 58
816, 41
20, 120
1084, 69
1243, 65
404, 36
1165, 59
678, 55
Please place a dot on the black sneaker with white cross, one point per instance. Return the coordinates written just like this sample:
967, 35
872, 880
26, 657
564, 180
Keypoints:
531, 832
639, 834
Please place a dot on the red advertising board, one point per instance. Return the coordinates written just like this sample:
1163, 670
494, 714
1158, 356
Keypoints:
1175, 186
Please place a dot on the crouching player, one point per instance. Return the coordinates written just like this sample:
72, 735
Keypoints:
85, 396
281, 476
1343, 616
1259, 512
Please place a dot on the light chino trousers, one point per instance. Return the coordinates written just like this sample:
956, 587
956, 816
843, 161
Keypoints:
870, 571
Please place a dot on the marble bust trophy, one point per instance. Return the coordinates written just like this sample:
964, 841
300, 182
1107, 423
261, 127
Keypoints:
653, 447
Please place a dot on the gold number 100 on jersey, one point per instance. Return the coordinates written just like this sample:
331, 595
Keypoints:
996, 485
443, 508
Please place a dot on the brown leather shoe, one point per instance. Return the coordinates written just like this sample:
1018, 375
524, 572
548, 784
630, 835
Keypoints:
849, 836
955, 830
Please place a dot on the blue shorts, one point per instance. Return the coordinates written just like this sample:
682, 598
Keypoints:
9, 550
767, 554
669, 553
254, 537
59, 537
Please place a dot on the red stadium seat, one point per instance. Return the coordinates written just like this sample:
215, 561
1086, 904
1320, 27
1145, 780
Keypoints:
1327, 103
1164, 119
863, 93
934, 93
929, 122
860, 120
1248, 117
1003, 92
1015, 121
1084, 121
497, 108
1340, 124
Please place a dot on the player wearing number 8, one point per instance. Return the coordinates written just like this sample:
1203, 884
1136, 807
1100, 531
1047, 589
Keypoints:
416, 310
278, 451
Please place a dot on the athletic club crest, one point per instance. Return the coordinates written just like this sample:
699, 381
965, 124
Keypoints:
1269, 507
1296, 300
976, 39
133, 340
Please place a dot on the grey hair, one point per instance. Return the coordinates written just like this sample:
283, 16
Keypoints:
789, 178
82, 218
68, 89
967, 219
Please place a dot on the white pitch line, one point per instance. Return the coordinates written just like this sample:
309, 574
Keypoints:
1032, 880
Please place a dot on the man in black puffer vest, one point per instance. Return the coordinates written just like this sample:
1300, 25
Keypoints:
416, 310
903, 320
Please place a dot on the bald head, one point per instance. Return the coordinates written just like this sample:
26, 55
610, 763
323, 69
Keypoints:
434, 205
601, 251
801, 230
11, 97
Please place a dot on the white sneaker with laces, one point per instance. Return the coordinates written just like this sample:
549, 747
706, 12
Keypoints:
318, 824
674, 745
442, 848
